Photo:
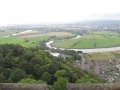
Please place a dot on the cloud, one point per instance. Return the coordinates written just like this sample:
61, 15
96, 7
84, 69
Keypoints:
56, 11
108, 16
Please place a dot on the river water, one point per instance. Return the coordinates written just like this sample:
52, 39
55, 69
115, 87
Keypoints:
48, 44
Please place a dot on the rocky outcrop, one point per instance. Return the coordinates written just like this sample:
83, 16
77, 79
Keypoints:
104, 86
15, 86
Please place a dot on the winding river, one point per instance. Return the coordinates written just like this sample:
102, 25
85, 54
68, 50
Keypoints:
48, 44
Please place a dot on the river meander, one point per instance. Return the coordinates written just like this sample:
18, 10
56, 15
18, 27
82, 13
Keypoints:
48, 44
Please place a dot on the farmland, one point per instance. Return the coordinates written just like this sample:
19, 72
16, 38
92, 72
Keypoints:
60, 34
30, 38
91, 40
31, 42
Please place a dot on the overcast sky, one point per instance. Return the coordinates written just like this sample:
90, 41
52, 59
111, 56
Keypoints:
57, 11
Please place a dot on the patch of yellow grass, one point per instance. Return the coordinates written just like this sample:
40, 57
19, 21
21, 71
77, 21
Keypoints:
59, 34
103, 55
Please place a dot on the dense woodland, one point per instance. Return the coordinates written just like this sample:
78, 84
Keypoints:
33, 65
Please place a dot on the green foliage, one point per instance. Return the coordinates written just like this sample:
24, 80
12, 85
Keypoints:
17, 75
6, 73
2, 78
27, 80
55, 66
46, 77
87, 79
33, 65
61, 84
41, 82
72, 76
61, 73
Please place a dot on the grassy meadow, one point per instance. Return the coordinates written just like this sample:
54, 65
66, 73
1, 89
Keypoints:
92, 40
31, 42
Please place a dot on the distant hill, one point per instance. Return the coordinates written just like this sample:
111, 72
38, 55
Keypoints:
100, 22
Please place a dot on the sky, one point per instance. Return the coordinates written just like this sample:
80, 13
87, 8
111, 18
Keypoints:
57, 11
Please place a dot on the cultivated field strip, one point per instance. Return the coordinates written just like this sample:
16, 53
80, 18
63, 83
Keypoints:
94, 40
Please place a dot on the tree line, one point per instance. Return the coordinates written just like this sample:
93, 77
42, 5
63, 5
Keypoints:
33, 65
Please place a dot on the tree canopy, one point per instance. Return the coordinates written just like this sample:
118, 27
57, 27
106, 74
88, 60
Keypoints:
31, 65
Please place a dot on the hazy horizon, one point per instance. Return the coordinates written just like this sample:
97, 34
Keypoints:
57, 11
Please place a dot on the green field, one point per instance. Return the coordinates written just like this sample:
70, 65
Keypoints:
31, 42
92, 40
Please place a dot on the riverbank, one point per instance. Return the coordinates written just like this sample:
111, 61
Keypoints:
48, 44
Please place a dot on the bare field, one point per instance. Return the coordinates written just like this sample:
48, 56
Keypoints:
28, 34
6, 33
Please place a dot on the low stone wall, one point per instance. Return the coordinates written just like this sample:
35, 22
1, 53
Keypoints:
16, 86
104, 86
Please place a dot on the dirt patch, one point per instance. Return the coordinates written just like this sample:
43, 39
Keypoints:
29, 34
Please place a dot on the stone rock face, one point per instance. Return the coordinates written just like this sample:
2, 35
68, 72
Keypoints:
16, 86
104, 86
